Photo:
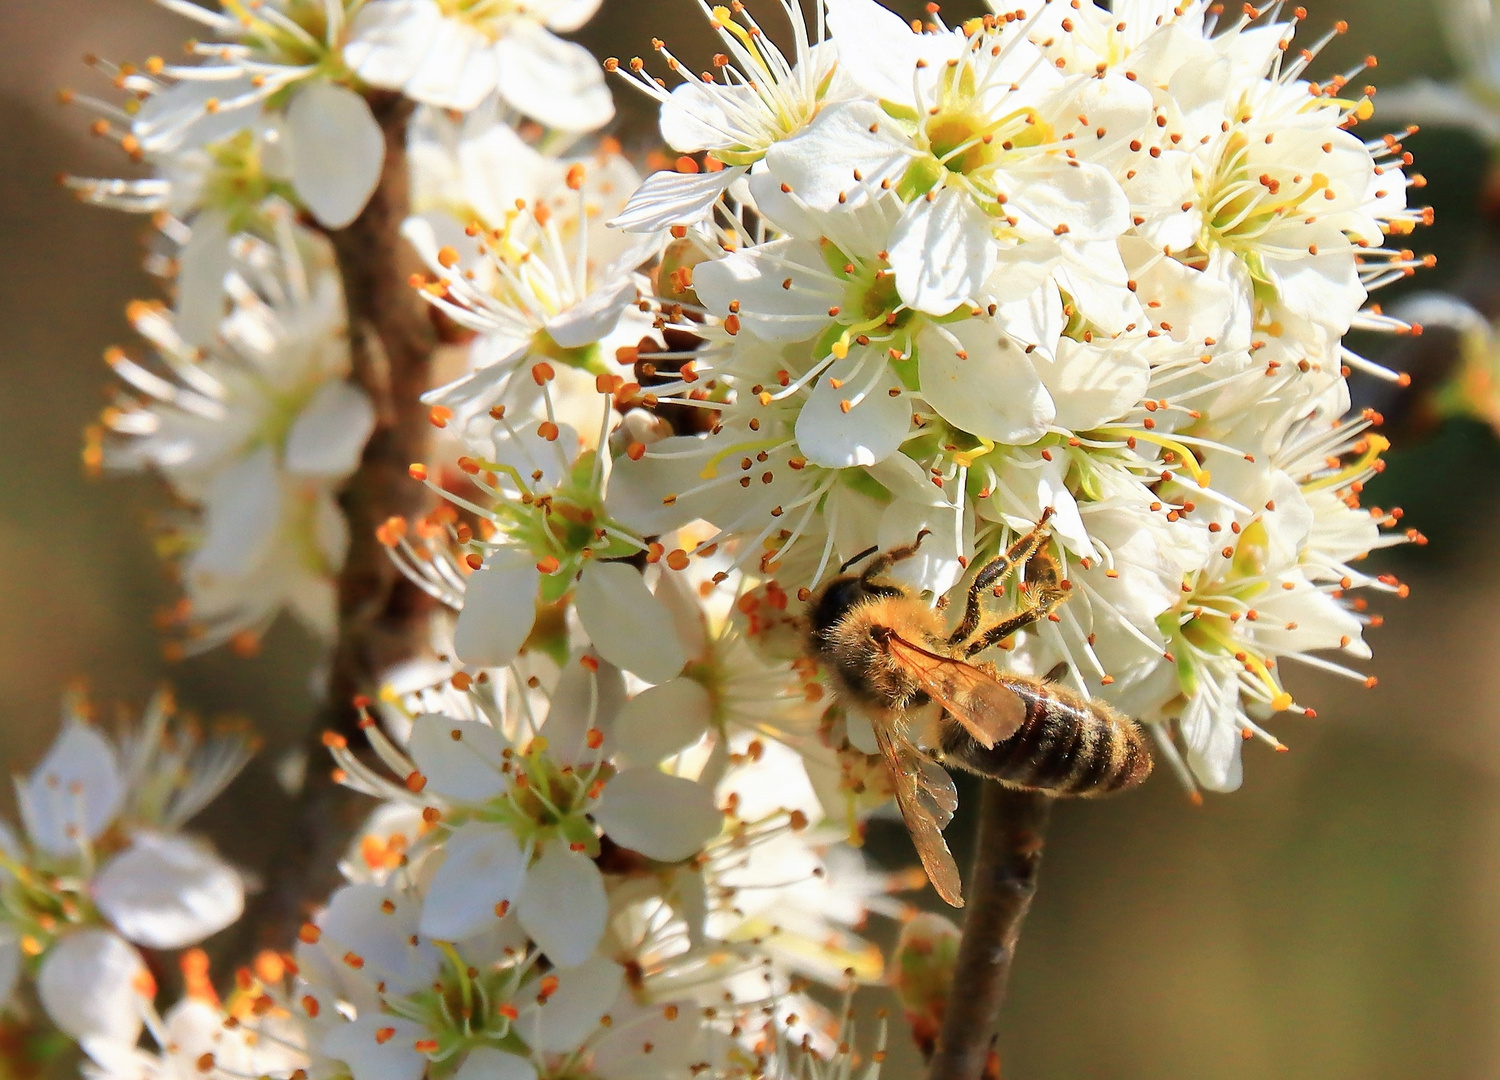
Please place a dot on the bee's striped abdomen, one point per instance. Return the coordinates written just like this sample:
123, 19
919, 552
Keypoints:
1067, 745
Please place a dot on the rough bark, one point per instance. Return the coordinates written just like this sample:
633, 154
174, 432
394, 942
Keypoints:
383, 619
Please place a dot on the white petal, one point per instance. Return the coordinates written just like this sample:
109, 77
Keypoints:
1426, 102
240, 517
458, 69
1084, 197
166, 892
878, 50
389, 39
582, 699
466, 768
74, 793
482, 866
571, 1014
1210, 727
200, 278
88, 984
630, 627
819, 164
593, 317
499, 609
373, 1054
563, 905
755, 280
378, 925
552, 81
570, 15
336, 151
329, 436
669, 198
1094, 385
942, 251
992, 391
662, 720
698, 116
487, 1063
870, 430
663, 817
1441, 309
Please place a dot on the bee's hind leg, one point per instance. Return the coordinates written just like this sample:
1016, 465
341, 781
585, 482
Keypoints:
1047, 595
890, 558
996, 570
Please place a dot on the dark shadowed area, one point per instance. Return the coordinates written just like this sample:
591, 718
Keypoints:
1338, 919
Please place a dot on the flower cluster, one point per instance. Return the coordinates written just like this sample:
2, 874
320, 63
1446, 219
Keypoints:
1063, 269
1071, 262
255, 432
103, 867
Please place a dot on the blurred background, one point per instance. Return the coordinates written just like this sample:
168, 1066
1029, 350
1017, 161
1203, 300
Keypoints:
1337, 918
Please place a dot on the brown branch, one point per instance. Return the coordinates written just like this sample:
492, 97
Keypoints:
383, 618
1009, 853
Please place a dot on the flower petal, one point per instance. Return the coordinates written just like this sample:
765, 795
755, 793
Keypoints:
499, 609
460, 759
861, 422
166, 892
593, 317
487, 1063
583, 699
1094, 384
662, 720
565, 16
458, 69
74, 793
241, 514
377, 1047
552, 81
663, 817
942, 251
377, 925
336, 150
980, 381
482, 866
671, 198
329, 436
563, 905
202, 264
754, 282
571, 1013
388, 40
90, 984
879, 51
819, 164
631, 628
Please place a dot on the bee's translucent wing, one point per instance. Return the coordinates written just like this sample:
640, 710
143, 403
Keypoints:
987, 708
936, 790
912, 796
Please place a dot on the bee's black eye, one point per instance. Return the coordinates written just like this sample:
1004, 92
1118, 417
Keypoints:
834, 604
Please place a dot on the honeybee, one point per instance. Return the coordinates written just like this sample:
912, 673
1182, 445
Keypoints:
889, 655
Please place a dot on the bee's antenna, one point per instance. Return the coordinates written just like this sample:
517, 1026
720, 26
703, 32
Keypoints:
865, 554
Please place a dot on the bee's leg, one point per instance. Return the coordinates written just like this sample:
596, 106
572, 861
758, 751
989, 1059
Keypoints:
997, 569
891, 558
1048, 593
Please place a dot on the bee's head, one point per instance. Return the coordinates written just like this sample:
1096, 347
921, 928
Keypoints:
841, 596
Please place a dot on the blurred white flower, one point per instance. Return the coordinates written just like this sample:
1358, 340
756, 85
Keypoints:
453, 53
102, 868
